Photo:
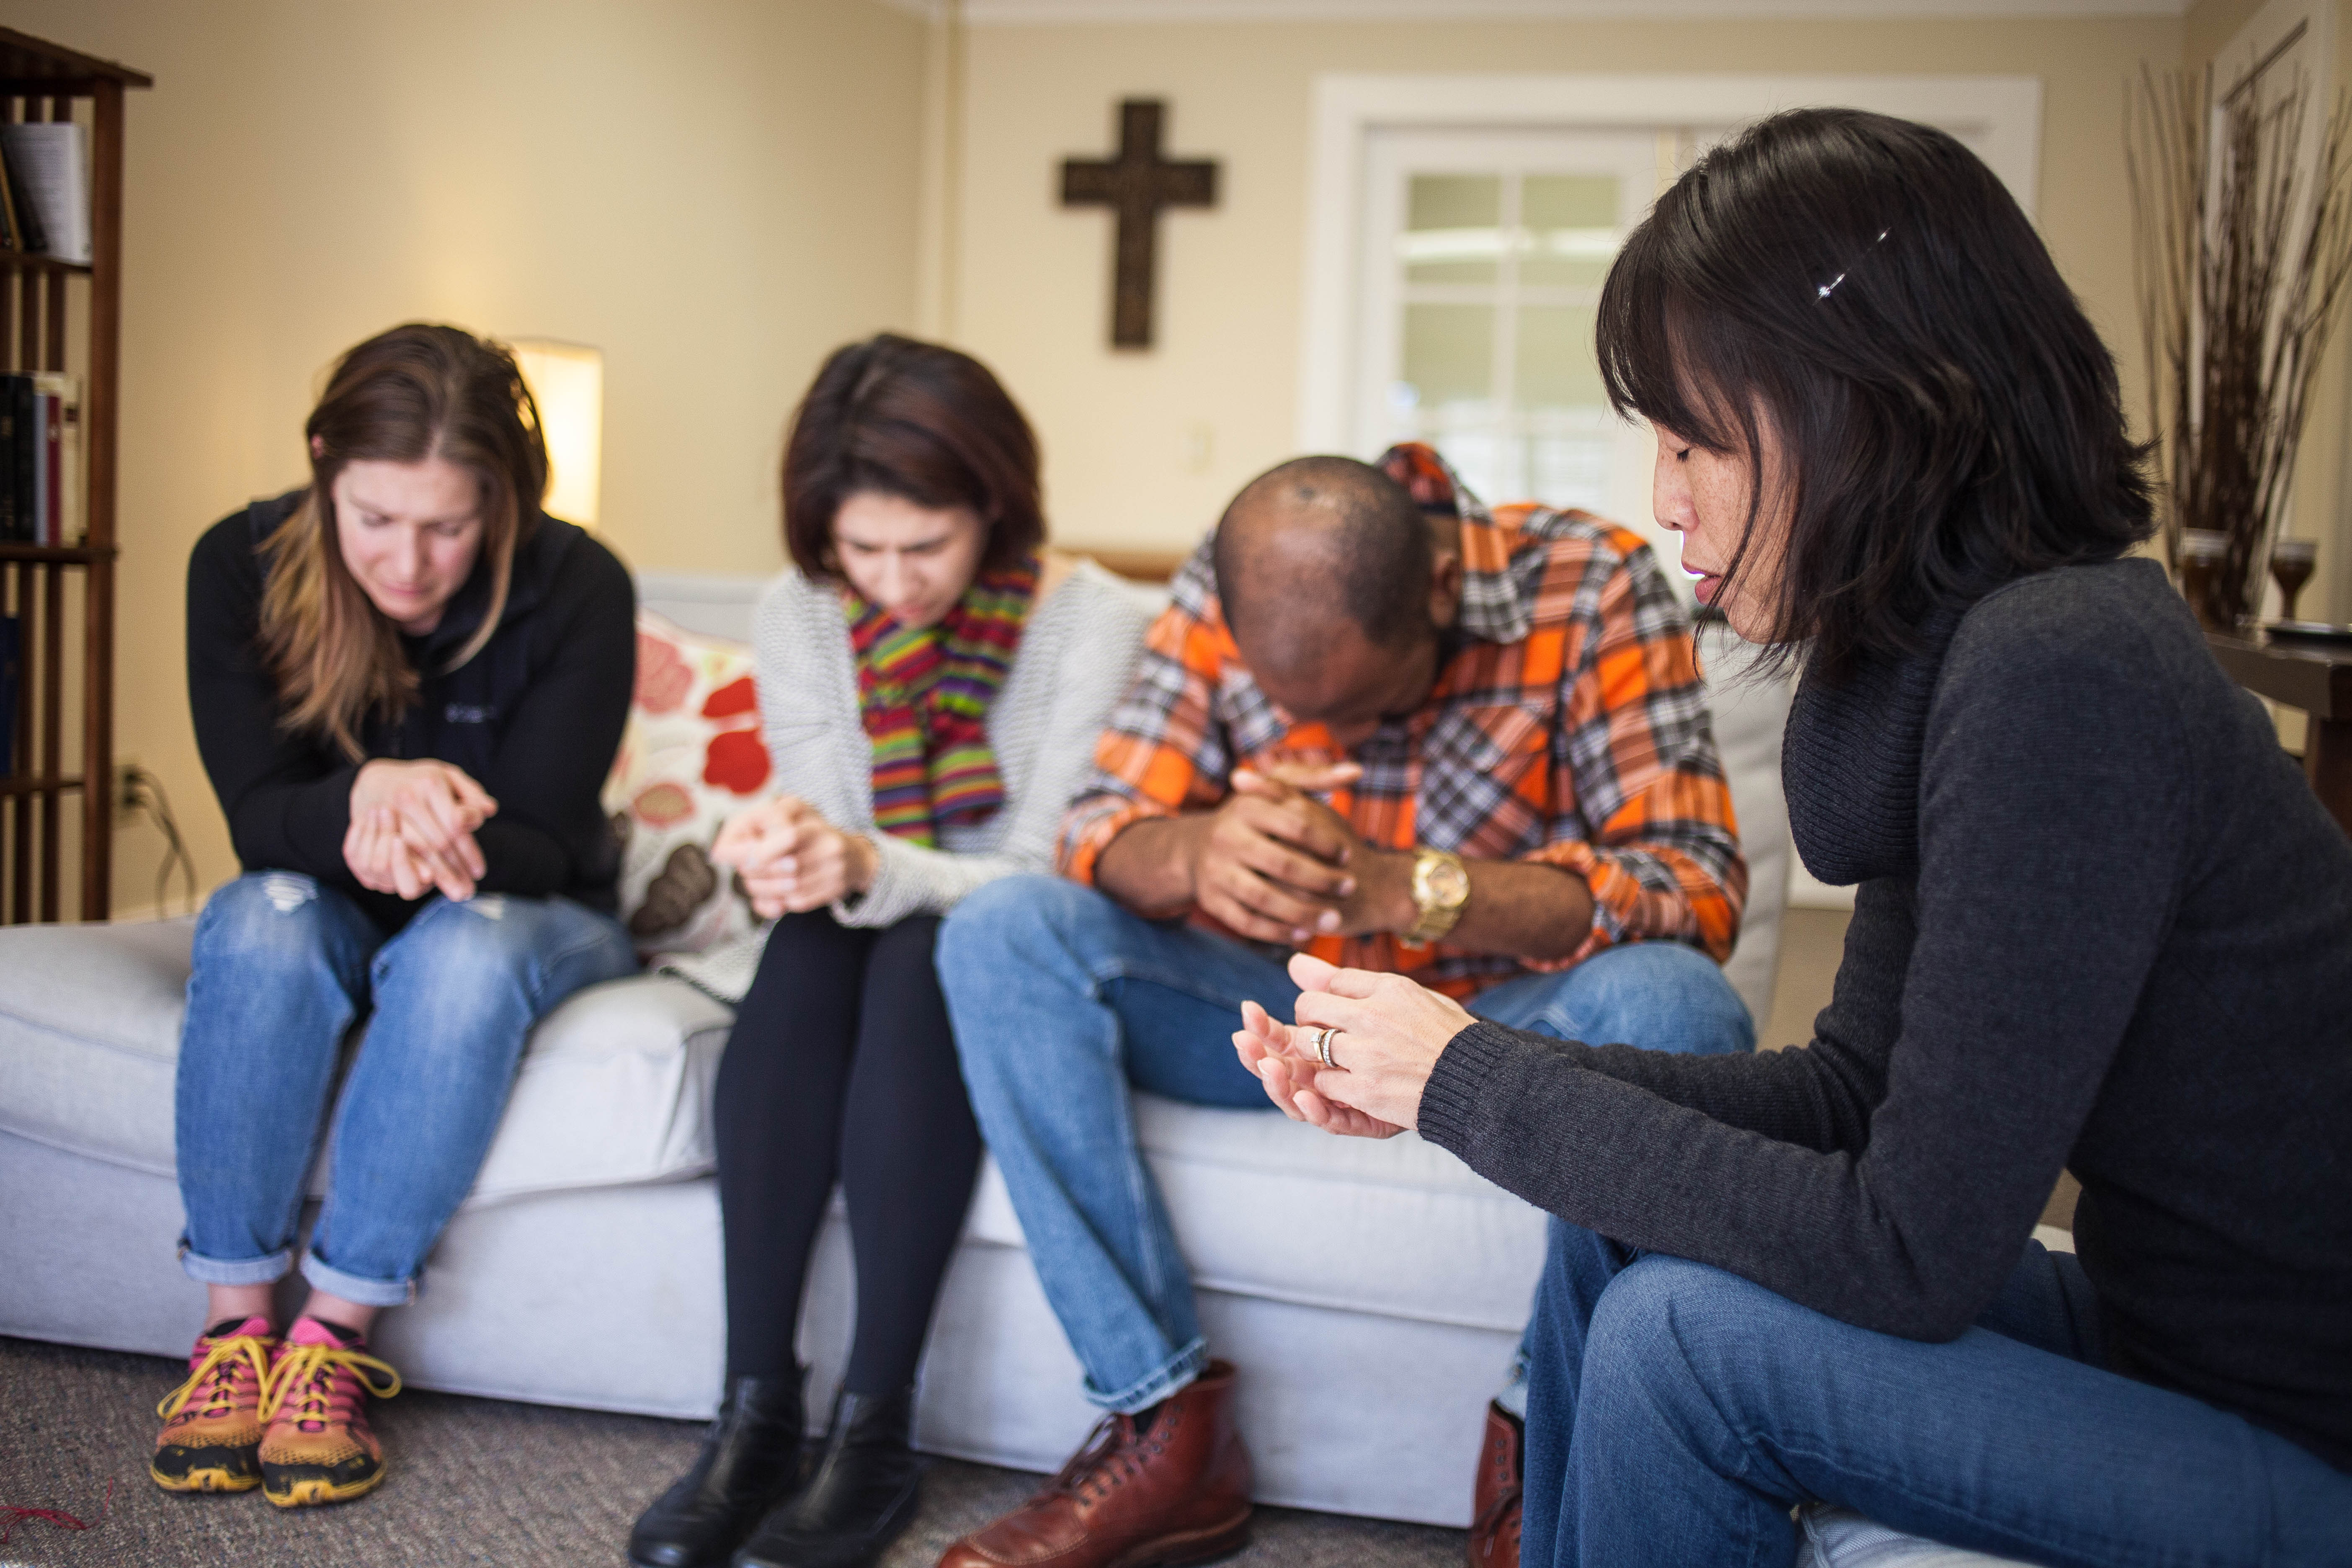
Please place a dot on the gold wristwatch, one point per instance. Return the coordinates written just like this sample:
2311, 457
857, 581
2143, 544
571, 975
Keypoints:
1440, 885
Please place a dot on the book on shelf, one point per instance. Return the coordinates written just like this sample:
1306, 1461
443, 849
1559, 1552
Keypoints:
12, 229
24, 453
25, 232
11, 677
36, 454
8, 457
62, 518
48, 176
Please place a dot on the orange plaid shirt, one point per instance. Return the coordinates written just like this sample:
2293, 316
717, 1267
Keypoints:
1568, 727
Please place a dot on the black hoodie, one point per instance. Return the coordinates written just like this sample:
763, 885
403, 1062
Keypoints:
534, 717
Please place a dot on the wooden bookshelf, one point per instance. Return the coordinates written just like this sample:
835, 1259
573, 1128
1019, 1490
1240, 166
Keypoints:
46, 587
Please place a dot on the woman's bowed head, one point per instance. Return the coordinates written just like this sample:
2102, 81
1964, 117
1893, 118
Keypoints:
909, 478
427, 463
1387, 1034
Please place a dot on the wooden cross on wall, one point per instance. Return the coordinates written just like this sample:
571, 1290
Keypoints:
1137, 184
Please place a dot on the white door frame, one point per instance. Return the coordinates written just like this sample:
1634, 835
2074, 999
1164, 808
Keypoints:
2000, 116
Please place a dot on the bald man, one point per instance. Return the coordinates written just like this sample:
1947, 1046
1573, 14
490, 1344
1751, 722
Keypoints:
1380, 724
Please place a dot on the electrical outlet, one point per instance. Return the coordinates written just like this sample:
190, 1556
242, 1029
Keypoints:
126, 788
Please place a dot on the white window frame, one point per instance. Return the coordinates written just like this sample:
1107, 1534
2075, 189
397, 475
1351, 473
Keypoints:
1634, 158
2000, 116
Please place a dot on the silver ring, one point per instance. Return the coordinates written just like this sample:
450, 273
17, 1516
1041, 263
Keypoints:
1323, 1046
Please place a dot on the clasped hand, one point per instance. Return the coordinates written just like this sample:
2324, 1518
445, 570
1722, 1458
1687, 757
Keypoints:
793, 860
1275, 864
412, 829
1391, 1033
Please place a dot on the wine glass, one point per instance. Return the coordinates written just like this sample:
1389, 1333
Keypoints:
2292, 561
2201, 551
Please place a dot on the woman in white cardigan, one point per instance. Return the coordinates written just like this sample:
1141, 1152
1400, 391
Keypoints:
932, 681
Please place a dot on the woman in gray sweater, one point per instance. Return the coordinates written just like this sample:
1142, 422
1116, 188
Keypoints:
932, 681
2103, 925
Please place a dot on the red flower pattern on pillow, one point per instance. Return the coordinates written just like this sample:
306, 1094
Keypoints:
664, 678
736, 760
692, 754
737, 698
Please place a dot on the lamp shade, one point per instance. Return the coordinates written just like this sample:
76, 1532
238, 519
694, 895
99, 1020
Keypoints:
567, 382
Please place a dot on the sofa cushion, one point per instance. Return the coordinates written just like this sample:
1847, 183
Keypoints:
614, 1087
1270, 1207
1841, 1538
90, 1037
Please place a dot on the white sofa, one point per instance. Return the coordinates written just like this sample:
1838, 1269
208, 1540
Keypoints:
1368, 1342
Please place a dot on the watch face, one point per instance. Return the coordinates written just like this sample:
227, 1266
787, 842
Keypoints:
1449, 883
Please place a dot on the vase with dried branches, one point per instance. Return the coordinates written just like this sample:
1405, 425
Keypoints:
2240, 258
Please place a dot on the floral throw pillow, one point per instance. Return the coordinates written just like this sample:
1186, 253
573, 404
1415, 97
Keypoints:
692, 757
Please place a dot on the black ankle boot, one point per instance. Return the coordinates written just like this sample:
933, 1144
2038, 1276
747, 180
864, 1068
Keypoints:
749, 1461
859, 1496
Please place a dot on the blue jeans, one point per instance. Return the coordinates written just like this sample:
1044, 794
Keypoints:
1061, 999
282, 966
1677, 1412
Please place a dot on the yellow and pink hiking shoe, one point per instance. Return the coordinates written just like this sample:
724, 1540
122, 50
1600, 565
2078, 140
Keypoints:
317, 1446
211, 1440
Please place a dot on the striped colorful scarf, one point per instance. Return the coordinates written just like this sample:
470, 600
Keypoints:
923, 695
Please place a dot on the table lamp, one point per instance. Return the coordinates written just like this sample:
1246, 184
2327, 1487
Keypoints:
567, 381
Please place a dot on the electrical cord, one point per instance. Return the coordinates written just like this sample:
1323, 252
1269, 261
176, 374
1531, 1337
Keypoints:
143, 792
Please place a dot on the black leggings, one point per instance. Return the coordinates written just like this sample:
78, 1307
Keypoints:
842, 1063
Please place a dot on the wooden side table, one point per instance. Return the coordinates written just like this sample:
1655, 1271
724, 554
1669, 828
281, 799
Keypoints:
2315, 677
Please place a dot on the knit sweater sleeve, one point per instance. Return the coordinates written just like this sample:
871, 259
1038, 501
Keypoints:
1888, 1174
808, 700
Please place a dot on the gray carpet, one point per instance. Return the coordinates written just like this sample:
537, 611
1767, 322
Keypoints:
473, 1482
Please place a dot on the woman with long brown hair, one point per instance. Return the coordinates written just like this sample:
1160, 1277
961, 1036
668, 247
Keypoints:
408, 683
932, 680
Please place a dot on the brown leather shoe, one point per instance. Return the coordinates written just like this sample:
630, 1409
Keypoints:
1171, 1485
1495, 1501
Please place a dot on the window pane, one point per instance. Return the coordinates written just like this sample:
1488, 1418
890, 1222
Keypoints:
1479, 457
1452, 228
1449, 357
1568, 228
1570, 469
1556, 367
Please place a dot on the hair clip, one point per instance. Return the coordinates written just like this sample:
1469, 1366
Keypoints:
1828, 287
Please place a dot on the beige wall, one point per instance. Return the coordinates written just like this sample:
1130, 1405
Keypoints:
713, 192
1119, 428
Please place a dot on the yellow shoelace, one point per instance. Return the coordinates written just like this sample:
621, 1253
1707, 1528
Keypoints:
237, 1347
299, 1366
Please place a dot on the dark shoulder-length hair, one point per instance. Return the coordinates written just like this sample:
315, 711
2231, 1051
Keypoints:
1946, 416
919, 421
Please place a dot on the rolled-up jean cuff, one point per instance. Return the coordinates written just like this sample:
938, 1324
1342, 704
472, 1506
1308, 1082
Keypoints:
235, 1271
323, 1276
1155, 1385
